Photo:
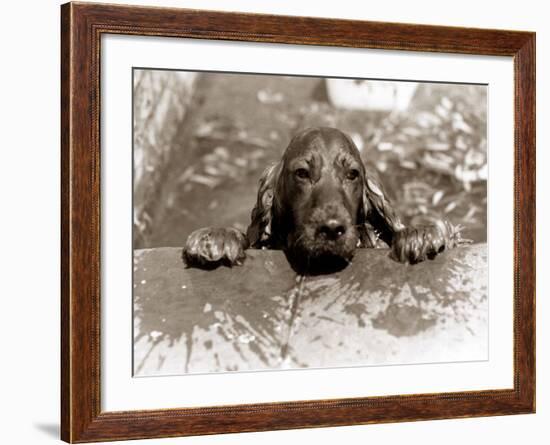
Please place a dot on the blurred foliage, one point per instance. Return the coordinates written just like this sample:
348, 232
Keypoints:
433, 157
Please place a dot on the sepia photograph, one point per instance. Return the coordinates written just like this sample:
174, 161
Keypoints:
292, 222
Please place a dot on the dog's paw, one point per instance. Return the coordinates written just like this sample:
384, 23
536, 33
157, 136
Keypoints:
416, 244
210, 247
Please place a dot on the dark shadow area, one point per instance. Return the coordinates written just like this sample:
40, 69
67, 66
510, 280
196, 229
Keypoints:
321, 265
49, 429
319, 93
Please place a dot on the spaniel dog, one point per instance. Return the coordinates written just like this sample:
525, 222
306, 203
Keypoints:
318, 204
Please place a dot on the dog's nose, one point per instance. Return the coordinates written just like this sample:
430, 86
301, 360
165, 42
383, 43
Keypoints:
332, 229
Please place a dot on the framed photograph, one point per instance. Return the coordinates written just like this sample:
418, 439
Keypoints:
274, 222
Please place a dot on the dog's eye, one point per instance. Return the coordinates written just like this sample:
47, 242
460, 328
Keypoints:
302, 173
352, 174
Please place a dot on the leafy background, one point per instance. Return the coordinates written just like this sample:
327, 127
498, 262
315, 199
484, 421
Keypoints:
202, 140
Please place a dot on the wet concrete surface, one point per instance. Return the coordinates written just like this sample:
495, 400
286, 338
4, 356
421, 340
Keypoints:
263, 316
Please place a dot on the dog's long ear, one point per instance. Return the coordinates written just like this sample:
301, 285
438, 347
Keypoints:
381, 218
259, 231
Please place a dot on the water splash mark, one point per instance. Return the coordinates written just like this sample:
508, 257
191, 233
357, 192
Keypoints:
296, 296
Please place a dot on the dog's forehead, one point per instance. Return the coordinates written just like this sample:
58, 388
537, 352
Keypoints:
329, 142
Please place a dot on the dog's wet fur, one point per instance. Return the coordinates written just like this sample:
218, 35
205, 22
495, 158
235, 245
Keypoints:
318, 204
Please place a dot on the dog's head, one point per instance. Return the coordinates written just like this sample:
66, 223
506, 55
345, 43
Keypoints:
316, 202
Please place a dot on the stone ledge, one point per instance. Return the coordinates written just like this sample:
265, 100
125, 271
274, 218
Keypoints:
262, 316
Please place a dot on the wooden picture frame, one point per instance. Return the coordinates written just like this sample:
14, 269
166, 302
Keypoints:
82, 25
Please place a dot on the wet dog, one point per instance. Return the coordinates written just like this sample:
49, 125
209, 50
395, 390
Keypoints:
318, 204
